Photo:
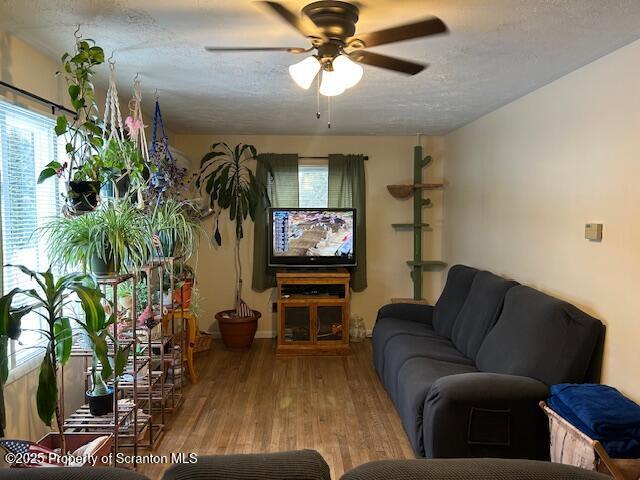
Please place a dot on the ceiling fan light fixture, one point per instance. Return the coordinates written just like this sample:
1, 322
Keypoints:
349, 71
305, 71
331, 84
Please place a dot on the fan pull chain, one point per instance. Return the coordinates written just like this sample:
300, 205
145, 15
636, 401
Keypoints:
328, 112
318, 96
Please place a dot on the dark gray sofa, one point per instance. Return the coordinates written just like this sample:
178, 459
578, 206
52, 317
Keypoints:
466, 375
309, 465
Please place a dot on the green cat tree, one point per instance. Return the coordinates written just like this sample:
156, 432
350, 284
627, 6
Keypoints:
418, 265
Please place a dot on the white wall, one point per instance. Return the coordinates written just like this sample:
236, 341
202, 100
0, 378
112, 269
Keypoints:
526, 178
390, 161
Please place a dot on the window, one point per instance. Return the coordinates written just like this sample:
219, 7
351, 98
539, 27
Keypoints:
313, 183
27, 144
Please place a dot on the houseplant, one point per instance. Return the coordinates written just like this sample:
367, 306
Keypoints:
172, 223
112, 239
125, 167
53, 300
83, 134
226, 177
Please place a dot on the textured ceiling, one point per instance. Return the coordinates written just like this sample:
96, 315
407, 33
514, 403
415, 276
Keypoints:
497, 51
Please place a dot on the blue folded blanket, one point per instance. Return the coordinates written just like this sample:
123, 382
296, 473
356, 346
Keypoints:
602, 413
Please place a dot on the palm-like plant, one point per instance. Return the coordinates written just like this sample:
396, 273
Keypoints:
53, 300
225, 175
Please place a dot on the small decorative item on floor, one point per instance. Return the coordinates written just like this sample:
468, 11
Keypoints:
46, 453
358, 331
594, 427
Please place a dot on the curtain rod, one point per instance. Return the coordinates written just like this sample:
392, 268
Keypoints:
366, 157
54, 106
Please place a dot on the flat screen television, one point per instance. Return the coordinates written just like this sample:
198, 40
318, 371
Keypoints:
312, 237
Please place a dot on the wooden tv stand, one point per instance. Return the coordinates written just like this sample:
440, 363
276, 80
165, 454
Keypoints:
313, 312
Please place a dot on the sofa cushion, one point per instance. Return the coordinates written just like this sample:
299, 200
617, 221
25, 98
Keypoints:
469, 469
401, 348
452, 298
479, 312
540, 336
293, 465
414, 381
388, 327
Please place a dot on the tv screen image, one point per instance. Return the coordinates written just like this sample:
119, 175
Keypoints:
308, 237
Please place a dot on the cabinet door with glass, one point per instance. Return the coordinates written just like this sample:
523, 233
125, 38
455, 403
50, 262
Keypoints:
330, 322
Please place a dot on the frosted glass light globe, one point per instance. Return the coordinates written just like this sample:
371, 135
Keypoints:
331, 84
305, 71
349, 71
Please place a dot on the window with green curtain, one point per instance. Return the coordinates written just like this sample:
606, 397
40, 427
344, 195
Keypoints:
279, 172
347, 189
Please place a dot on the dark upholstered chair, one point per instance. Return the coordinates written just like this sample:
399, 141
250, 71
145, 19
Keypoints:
296, 465
468, 469
309, 465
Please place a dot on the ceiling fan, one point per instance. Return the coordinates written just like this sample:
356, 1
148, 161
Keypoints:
330, 26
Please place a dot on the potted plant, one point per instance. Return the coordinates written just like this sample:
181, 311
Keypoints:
53, 300
125, 293
83, 135
231, 185
125, 166
185, 278
174, 226
112, 239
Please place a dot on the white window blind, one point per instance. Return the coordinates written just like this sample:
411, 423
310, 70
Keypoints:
27, 144
313, 182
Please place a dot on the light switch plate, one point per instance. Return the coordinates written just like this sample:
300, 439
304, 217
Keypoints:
593, 232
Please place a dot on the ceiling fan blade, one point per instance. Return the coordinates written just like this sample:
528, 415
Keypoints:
301, 23
384, 61
257, 49
432, 26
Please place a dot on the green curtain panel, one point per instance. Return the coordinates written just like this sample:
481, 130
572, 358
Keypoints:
347, 190
282, 187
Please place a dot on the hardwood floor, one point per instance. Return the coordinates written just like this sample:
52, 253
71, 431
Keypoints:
254, 402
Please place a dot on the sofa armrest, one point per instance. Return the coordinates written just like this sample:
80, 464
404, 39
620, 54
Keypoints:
407, 311
295, 465
486, 415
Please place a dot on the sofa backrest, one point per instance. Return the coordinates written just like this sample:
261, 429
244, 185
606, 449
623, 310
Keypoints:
452, 298
540, 336
479, 312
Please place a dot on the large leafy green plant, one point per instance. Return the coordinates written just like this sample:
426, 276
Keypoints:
83, 134
117, 231
226, 176
54, 300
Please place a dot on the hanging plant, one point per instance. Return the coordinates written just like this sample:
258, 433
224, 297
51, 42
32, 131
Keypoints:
83, 134
167, 180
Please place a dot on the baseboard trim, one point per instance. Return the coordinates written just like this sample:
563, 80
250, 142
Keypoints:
259, 334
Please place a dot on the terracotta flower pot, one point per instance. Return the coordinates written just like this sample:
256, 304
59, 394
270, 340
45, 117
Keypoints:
237, 332
183, 295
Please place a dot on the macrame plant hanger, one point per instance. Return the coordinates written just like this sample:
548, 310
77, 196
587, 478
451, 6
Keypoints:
136, 127
157, 122
113, 118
